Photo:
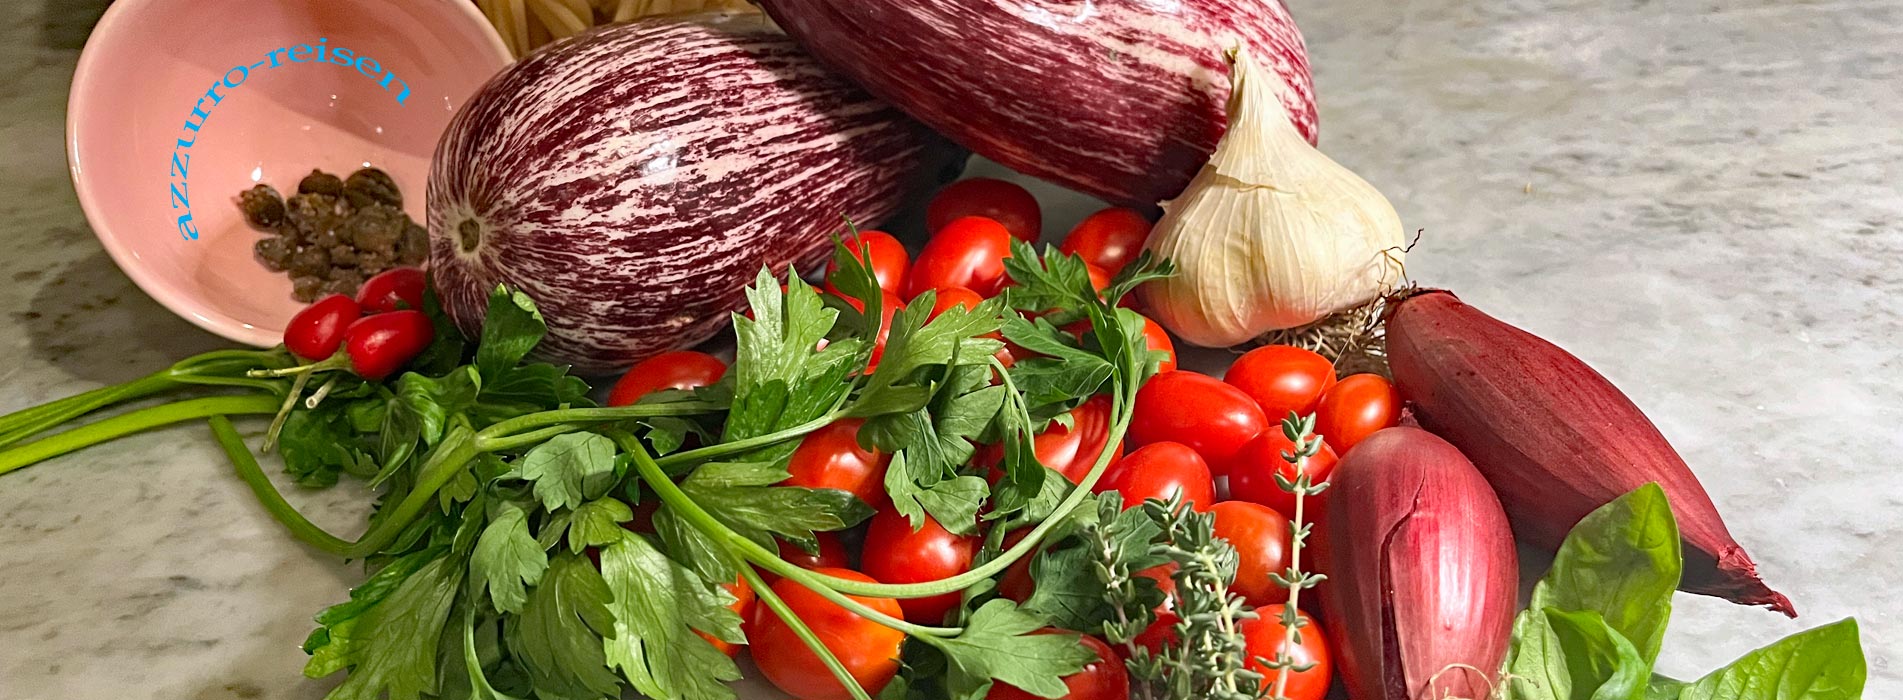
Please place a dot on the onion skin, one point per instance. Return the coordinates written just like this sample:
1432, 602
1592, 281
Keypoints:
1423, 578
1121, 99
632, 180
1553, 436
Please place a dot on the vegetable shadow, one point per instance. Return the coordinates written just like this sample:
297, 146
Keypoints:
89, 320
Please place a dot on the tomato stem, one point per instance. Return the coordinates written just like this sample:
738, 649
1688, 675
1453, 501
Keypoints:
126, 424
793, 623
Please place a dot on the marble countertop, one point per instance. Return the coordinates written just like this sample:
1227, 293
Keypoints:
1699, 198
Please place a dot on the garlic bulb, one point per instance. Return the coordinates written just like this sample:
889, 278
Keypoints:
1271, 233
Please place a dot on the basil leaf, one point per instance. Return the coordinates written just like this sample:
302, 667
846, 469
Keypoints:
1825, 663
1622, 561
1573, 655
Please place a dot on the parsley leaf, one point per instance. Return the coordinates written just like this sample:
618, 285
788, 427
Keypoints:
997, 644
511, 327
558, 637
657, 605
393, 645
780, 378
597, 523
569, 469
741, 496
506, 559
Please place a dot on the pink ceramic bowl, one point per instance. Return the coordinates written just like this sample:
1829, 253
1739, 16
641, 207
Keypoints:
180, 104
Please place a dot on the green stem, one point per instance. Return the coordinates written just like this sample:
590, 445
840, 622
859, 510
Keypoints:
685, 507
724, 449
451, 457
33, 421
793, 623
596, 415
510, 442
136, 421
253, 475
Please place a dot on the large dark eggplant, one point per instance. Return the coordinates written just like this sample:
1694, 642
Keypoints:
1122, 99
632, 181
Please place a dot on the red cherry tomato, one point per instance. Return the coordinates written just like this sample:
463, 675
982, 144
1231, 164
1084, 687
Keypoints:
1000, 201
680, 369
382, 344
1153, 335
949, 297
1253, 468
1017, 583
1099, 277
832, 555
1161, 470
868, 650
1103, 679
1261, 538
888, 304
831, 458
895, 553
1355, 408
1266, 637
743, 604
1195, 409
883, 253
1110, 238
1070, 451
392, 289
317, 331
967, 252
1282, 378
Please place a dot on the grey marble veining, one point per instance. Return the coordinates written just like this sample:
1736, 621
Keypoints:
1700, 198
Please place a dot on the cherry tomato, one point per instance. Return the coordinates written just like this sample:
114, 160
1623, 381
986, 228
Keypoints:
832, 555
1070, 451
883, 253
1109, 239
1253, 468
1261, 538
680, 369
1266, 637
1282, 378
1099, 277
1003, 202
1211, 417
743, 604
382, 344
318, 330
1017, 583
1161, 470
868, 650
1153, 335
1103, 679
949, 297
889, 304
1355, 408
967, 252
895, 553
831, 458
391, 290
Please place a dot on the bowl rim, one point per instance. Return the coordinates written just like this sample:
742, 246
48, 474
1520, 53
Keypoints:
186, 306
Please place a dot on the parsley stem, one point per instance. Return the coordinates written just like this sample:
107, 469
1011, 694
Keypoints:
136, 421
217, 368
685, 507
724, 449
246, 465
450, 458
596, 415
793, 622
510, 442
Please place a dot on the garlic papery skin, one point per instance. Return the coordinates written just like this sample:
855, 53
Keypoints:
1271, 233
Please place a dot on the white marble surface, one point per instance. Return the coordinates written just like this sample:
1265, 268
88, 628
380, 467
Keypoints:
1700, 198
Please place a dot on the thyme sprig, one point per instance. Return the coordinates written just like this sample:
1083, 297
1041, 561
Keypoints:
1300, 431
1210, 658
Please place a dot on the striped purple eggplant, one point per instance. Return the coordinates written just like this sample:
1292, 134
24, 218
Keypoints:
1122, 99
634, 179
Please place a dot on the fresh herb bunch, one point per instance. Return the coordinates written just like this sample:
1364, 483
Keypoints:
500, 564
